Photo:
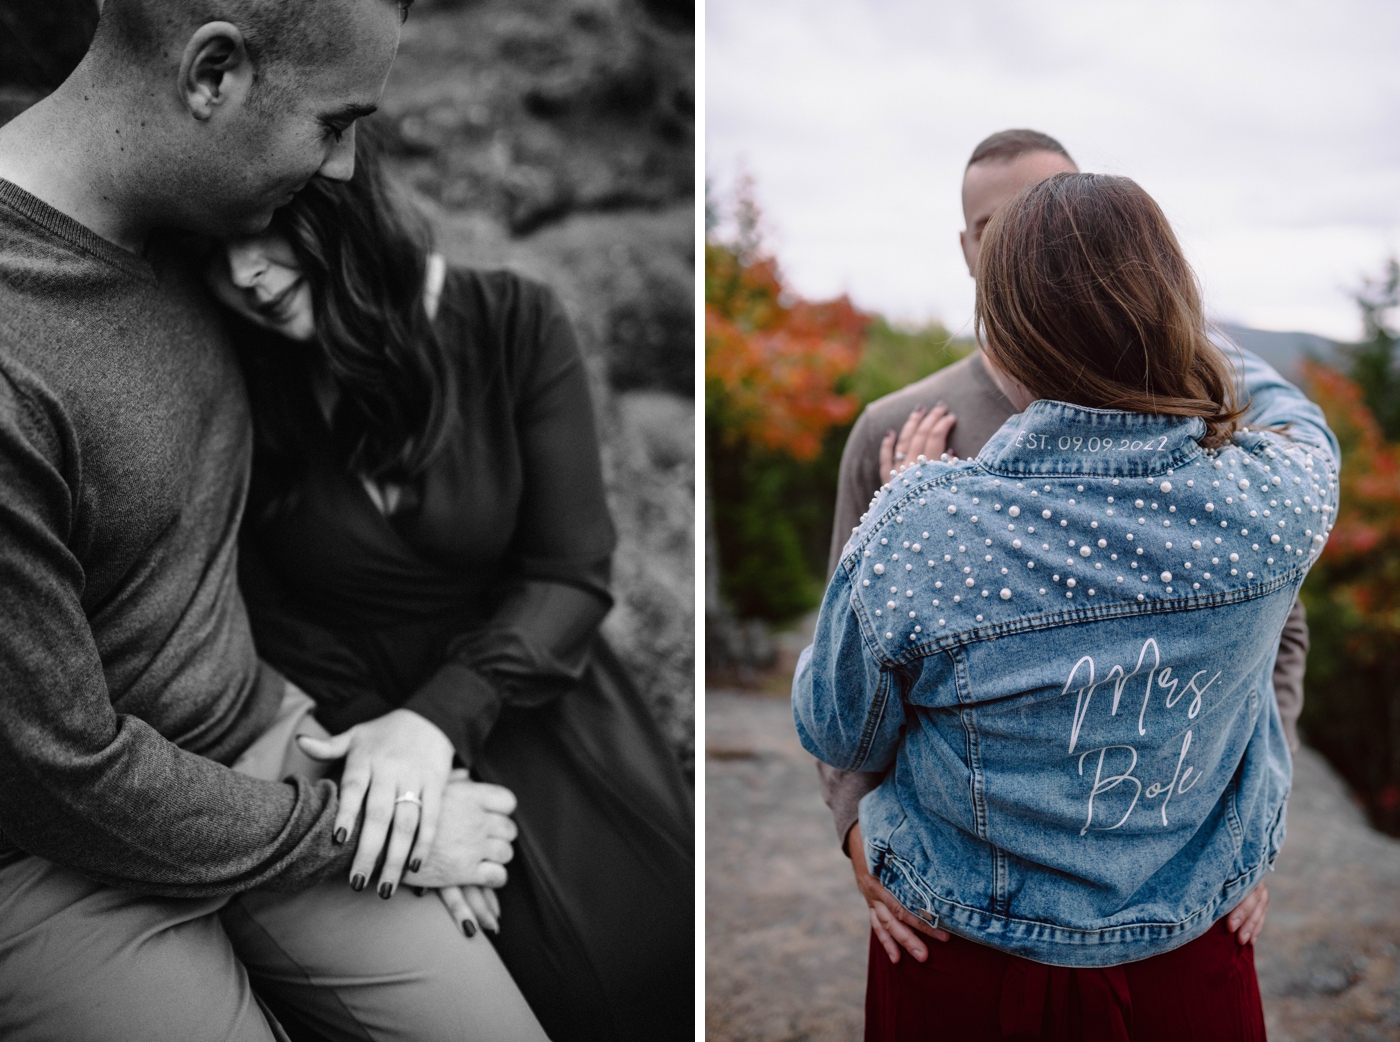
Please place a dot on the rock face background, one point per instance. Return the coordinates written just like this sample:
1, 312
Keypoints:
556, 138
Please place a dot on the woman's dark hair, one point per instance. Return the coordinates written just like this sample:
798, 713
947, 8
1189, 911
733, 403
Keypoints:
363, 252
1084, 296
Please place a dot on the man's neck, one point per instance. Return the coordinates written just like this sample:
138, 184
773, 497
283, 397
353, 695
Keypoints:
80, 156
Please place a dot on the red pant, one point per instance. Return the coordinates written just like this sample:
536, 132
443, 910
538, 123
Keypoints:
1205, 991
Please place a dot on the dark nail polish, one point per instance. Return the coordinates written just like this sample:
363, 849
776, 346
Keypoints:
469, 927
357, 882
415, 864
386, 890
340, 836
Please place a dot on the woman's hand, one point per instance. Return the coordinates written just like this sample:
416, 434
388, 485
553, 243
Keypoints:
1248, 917
925, 434
890, 920
386, 760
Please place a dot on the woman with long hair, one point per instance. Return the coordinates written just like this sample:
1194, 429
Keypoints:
426, 552
1060, 651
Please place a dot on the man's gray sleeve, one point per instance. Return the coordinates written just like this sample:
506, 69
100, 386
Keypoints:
855, 485
1289, 666
843, 791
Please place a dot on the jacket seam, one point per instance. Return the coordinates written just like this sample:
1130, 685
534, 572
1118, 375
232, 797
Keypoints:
930, 899
878, 705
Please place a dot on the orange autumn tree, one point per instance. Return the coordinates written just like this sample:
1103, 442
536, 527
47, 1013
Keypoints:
777, 383
774, 363
1352, 709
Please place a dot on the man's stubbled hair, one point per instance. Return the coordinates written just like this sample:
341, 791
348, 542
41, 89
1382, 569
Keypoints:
279, 34
1007, 145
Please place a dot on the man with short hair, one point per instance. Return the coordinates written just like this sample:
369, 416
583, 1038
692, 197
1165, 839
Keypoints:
1000, 168
142, 880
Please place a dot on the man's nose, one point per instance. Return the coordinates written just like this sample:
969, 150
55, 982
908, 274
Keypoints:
340, 162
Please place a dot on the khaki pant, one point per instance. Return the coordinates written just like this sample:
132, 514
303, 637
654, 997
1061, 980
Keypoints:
83, 962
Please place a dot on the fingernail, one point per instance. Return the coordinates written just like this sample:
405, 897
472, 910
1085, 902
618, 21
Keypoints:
386, 890
469, 927
340, 836
415, 864
357, 882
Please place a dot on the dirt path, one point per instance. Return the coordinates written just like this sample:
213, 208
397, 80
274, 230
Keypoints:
787, 934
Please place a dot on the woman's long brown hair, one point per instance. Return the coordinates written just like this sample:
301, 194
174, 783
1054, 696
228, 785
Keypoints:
1084, 296
363, 252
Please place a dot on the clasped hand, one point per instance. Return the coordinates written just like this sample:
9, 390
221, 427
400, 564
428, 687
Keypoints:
459, 836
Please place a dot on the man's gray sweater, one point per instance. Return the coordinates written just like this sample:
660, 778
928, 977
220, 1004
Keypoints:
128, 678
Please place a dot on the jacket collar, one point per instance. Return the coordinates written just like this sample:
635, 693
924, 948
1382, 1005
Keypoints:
1059, 438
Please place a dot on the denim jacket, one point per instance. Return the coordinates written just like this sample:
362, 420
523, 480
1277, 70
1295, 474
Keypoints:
1064, 647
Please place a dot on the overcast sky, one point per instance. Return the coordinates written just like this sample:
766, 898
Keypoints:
1269, 133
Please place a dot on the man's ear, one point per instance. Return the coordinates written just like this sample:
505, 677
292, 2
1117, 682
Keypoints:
215, 70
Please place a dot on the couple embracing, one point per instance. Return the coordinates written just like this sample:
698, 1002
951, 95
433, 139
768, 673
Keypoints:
1053, 686
304, 551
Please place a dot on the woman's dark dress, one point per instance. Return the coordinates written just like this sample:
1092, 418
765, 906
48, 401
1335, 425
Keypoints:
478, 607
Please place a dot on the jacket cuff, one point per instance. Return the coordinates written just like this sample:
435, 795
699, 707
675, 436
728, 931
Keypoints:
463, 703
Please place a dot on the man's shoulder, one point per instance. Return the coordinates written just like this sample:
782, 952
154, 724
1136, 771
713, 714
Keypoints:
952, 384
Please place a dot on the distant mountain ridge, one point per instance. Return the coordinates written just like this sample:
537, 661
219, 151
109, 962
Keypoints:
1283, 351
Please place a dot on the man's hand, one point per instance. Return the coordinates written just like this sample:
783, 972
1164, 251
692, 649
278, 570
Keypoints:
474, 835
890, 920
1248, 917
472, 907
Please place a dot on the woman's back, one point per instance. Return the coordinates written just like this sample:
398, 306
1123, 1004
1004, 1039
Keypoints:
1077, 631
1064, 647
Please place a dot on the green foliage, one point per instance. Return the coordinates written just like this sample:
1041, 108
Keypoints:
1351, 712
896, 356
772, 517
784, 379
773, 513
1373, 362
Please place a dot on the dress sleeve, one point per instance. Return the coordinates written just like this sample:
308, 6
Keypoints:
536, 645
87, 787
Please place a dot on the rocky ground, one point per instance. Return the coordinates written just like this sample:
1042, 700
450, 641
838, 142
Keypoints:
786, 932
556, 138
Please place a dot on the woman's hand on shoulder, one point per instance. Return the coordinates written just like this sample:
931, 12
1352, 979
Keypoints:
396, 769
925, 434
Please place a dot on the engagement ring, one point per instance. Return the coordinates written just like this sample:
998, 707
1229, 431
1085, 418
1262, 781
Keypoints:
409, 797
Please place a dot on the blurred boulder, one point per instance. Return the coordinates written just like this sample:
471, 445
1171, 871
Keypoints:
593, 261
531, 110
